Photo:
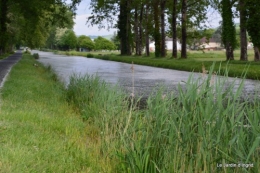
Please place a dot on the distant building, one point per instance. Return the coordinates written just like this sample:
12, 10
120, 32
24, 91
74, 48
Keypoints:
211, 44
250, 45
83, 50
168, 43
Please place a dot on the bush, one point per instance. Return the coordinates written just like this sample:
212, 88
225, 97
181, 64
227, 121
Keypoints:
90, 55
27, 52
36, 56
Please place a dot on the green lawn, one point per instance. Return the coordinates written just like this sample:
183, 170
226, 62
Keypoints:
39, 131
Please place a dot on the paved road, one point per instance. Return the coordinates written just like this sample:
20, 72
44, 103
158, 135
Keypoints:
7, 63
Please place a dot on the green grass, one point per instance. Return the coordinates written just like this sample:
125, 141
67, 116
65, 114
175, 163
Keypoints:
39, 131
3, 56
94, 127
193, 130
196, 60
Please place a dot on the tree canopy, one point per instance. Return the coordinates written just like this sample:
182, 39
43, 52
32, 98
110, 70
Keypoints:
104, 44
30, 21
85, 42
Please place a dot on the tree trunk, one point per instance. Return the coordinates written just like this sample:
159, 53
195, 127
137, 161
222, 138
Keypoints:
147, 41
141, 31
229, 51
243, 36
184, 29
257, 54
163, 46
136, 32
129, 31
3, 29
228, 29
174, 29
124, 28
157, 35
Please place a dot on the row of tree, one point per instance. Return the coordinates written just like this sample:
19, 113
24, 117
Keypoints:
66, 39
31, 22
139, 20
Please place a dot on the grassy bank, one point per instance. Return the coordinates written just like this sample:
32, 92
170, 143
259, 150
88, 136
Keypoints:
201, 129
195, 61
3, 56
39, 131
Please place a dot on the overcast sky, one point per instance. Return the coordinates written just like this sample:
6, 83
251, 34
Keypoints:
82, 28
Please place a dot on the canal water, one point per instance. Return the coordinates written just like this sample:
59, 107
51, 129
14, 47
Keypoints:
144, 78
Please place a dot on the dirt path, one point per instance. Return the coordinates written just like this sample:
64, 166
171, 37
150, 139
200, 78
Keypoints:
6, 65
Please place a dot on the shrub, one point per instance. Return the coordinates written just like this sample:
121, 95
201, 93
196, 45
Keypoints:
90, 55
36, 56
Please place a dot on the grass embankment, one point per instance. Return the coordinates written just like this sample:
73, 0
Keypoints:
3, 56
195, 61
39, 132
201, 129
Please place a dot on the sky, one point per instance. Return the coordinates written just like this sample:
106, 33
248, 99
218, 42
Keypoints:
83, 28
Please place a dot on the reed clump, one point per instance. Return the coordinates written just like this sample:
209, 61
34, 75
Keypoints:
203, 127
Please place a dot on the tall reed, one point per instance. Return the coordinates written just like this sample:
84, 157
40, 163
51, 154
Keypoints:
199, 128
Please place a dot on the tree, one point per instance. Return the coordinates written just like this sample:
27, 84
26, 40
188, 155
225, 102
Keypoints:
184, 29
3, 30
174, 29
103, 44
85, 42
104, 10
124, 27
138, 25
59, 23
35, 17
116, 41
147, 25
253, 25
163, 46
156, 32
193, 13
68, 40
228, 29
243, 31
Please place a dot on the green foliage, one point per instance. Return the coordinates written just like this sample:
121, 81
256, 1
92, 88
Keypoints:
228, 27
62, 20
85, 42
253, 24
104, 44
116, 41
30, 23
68, 40
36, 56
89, 55
89, 94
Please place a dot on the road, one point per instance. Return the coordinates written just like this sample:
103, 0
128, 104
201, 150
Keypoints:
6, 65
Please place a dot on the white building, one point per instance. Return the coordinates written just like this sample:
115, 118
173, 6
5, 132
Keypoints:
168, 46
